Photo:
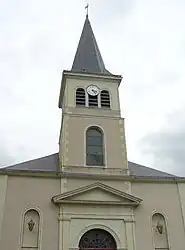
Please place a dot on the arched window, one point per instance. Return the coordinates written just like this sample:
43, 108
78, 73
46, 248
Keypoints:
160, 232
97, 239
93, 101
80, 97
94, 147
30, 234
105, 99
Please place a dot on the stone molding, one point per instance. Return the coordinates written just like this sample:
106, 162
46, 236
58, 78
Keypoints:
125, 198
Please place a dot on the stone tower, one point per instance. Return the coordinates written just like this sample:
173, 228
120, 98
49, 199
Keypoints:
92, 130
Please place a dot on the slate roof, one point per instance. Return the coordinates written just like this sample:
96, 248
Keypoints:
88, 57
46, 164
50, 164
143, 171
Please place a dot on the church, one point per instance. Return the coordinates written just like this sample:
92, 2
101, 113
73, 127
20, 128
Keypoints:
88, 195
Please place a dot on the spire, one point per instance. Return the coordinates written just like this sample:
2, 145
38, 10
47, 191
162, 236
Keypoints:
88, 57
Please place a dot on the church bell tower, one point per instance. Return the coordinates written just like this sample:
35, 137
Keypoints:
92, 131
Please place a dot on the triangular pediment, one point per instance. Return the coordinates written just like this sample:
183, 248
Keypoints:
97, 193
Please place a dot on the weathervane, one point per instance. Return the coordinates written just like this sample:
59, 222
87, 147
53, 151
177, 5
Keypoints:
87, 7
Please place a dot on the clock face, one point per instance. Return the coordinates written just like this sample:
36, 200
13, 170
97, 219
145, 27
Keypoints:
93, 90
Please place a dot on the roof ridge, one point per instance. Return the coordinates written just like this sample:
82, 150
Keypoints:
50, 163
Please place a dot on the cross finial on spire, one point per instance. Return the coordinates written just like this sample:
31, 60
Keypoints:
87, 7
88, 57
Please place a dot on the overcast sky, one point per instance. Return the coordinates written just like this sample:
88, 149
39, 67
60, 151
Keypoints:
144, 40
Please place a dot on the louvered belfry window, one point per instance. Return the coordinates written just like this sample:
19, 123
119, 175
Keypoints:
80, 97
94, 147
105, 99
93, 101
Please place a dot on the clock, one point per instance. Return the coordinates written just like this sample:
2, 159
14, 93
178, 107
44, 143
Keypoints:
93, 90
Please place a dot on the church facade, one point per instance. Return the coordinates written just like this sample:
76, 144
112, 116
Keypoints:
89, 196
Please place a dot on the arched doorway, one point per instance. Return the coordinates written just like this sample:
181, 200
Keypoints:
97, 239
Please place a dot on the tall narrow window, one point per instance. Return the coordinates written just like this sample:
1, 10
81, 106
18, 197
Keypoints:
94, 147
30, 237
80, 97
105, 99
160, 232
93, 101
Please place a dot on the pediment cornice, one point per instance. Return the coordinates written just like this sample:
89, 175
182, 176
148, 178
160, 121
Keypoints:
72, 196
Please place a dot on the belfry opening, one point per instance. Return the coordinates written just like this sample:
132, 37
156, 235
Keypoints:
97, 239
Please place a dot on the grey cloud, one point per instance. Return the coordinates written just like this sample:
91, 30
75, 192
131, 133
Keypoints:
167, 146
111, 9
5, 156
168, 77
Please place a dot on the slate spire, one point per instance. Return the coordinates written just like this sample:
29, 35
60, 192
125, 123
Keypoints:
88, 57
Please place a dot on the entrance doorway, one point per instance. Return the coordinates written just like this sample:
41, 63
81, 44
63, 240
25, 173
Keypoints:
98, 239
